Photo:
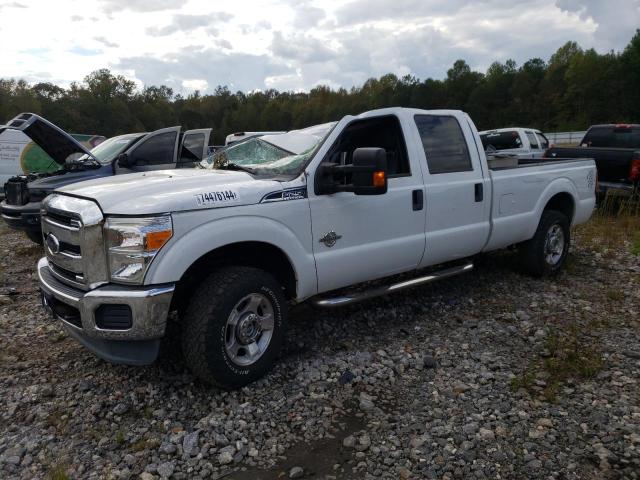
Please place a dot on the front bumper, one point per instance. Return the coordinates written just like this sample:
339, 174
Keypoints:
21, 217
134, 343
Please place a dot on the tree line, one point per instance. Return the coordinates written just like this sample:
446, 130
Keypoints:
572, 90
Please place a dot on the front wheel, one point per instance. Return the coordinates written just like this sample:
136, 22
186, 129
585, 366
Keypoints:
546, 253
234, 326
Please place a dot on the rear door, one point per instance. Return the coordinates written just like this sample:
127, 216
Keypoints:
458, 191
194, 147
156, 151
535, 148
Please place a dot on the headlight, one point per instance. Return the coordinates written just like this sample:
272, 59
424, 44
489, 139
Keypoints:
132, 243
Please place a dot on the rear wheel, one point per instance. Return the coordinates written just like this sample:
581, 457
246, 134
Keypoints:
546, 253
34, 236
234, 326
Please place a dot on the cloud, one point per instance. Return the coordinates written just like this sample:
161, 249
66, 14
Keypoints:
307, 16
76, 18
111, 6
615, 20
184, 22
12, 5
106, 42
193, 84
239, 71
85, 52
300, 47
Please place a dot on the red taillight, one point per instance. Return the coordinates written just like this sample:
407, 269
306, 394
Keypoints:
634, 171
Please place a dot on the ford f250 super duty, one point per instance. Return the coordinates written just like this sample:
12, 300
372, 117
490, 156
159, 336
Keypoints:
134, 152
282, 219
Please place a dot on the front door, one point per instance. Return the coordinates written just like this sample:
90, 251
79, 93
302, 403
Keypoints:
193, 147
363, 237
156, 151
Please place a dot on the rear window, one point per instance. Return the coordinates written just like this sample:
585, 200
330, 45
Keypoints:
444, 144
501, 140
612, 137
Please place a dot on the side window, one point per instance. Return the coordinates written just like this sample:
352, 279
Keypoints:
157, 150
444, 144
192, 148
544, 143
382, 132
533, 140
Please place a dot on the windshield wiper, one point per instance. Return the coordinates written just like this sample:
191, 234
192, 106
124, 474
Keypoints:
235, 166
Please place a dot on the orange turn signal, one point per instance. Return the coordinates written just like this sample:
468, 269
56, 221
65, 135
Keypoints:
379, 179
155, 240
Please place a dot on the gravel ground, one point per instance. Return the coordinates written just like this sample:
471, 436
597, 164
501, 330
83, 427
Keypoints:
488, 375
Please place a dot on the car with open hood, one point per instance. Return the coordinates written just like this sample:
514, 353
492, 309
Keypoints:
167, 148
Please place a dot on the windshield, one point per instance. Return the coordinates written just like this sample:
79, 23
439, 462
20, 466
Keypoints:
501, 140
612, 137
280, 154
108, 150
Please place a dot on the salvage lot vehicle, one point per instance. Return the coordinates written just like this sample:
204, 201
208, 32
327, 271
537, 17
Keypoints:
616, 151
523, 142
19, 155
161, 149
309, 212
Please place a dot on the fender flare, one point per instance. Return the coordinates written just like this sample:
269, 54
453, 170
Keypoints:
559, 185
180, 253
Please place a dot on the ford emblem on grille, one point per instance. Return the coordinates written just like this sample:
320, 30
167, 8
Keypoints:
52, 244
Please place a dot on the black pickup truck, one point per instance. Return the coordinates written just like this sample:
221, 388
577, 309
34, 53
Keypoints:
616, 151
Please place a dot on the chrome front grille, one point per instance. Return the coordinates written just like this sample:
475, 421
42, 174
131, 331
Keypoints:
72, 229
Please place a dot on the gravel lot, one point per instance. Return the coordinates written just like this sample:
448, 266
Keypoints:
488, 375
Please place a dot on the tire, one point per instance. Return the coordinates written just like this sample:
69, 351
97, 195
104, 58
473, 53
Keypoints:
546, 253
34, 236
219, 351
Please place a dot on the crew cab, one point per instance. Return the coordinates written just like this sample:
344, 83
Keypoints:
616, 151
162, 149
289, 218
521, 142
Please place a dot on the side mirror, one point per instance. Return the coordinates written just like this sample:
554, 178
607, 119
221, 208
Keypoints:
367, 175
123, 161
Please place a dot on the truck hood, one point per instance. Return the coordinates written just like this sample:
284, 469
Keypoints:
55, 142
161, 191
61, 179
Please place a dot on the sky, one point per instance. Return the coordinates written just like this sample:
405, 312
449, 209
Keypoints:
247, 45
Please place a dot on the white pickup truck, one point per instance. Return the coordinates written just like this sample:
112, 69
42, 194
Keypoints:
521, 142
288, 218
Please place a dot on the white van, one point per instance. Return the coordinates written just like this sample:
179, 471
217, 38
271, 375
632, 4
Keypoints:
19, 155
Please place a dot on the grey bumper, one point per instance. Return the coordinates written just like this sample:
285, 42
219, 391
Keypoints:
137, 344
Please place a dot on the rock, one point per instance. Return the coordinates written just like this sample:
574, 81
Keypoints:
121, 408
225, 457
486, 434
545, 422
429, 362
346, 377
349, 442
460, 387
404, 473
364, 442
296, 472
147, 476
190, 443
165, 470
366, 402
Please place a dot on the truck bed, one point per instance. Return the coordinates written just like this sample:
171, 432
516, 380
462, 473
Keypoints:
502, 163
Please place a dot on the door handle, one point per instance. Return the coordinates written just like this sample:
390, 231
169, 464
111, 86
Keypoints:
478, 192
417, 198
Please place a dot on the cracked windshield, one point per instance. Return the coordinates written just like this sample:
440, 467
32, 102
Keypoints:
280, 154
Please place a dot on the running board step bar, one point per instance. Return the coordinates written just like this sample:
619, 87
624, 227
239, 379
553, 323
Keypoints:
348, 299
